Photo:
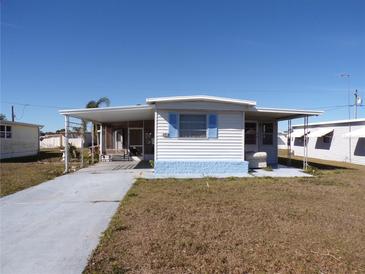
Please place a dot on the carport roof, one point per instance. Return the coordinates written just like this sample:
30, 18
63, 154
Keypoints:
146, 112
112, 114
280, 114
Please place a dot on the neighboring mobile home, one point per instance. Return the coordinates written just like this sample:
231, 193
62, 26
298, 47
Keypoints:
282, 140
58, 140
342, 140
18, 139
194, 135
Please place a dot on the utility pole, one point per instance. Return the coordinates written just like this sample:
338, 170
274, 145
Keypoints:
12, 114
357, 102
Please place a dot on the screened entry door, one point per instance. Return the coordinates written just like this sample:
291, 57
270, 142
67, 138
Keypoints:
119, 139
135, 141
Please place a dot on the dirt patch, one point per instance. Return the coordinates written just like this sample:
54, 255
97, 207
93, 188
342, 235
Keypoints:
293, 225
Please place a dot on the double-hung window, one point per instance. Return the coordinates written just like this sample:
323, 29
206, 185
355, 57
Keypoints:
193, 125
5, 131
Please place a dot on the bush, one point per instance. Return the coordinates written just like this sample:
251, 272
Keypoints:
152, 163
74, 153
312, 170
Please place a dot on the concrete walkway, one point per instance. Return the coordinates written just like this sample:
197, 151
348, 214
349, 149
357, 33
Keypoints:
53, 227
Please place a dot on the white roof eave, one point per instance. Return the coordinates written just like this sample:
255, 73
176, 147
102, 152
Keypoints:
356, 133
320, 132
289, 111
297, 134
335, 122
200, 98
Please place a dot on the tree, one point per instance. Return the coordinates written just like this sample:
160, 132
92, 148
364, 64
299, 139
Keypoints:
103, 101
99, 103
2, 117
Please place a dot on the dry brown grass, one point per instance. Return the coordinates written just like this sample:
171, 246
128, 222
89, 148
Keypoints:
294, 225
320, 163
20, 173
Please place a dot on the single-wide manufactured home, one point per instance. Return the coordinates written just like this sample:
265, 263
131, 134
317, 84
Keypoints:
342, 141
193, 135
18, 139
58, 140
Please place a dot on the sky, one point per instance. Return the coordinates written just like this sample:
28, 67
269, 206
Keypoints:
288, 54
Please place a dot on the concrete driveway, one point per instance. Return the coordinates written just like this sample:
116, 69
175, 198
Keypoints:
53, 227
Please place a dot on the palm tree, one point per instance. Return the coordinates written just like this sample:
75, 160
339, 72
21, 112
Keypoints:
96, 104
103, 101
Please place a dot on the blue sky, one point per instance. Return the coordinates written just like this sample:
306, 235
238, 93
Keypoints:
280, 53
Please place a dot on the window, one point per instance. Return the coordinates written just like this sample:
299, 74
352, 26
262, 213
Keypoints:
192, 126
267, 133
250, 133
5, 132
327, 138
2, 131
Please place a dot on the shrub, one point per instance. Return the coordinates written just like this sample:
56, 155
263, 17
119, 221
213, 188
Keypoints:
152, 163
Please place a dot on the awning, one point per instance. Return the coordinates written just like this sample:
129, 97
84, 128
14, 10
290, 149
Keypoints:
320, 132
299, 133
356, 133
112, 114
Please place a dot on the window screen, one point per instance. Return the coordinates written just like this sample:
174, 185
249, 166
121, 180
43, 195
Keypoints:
268, 133
250, 133
192, 126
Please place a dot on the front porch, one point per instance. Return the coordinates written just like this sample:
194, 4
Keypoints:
127, 140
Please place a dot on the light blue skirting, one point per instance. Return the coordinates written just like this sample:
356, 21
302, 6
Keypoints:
186, 168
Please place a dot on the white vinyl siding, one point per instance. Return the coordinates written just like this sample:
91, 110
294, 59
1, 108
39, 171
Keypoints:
228, 145
24, 141
338, 149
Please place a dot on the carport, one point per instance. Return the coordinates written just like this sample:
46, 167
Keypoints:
117, 130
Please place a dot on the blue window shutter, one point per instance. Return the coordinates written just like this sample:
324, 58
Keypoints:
173, 125
212, 126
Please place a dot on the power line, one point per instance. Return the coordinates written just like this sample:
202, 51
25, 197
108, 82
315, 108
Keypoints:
32, 105
330, 107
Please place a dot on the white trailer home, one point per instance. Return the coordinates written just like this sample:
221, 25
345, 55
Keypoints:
18, 139
282, 140
342, 141
58, 140
194, 135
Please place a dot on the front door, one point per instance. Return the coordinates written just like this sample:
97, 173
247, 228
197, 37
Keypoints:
119, 139
135, 142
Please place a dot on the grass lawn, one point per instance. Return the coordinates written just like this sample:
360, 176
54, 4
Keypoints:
20, 173
291, 225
